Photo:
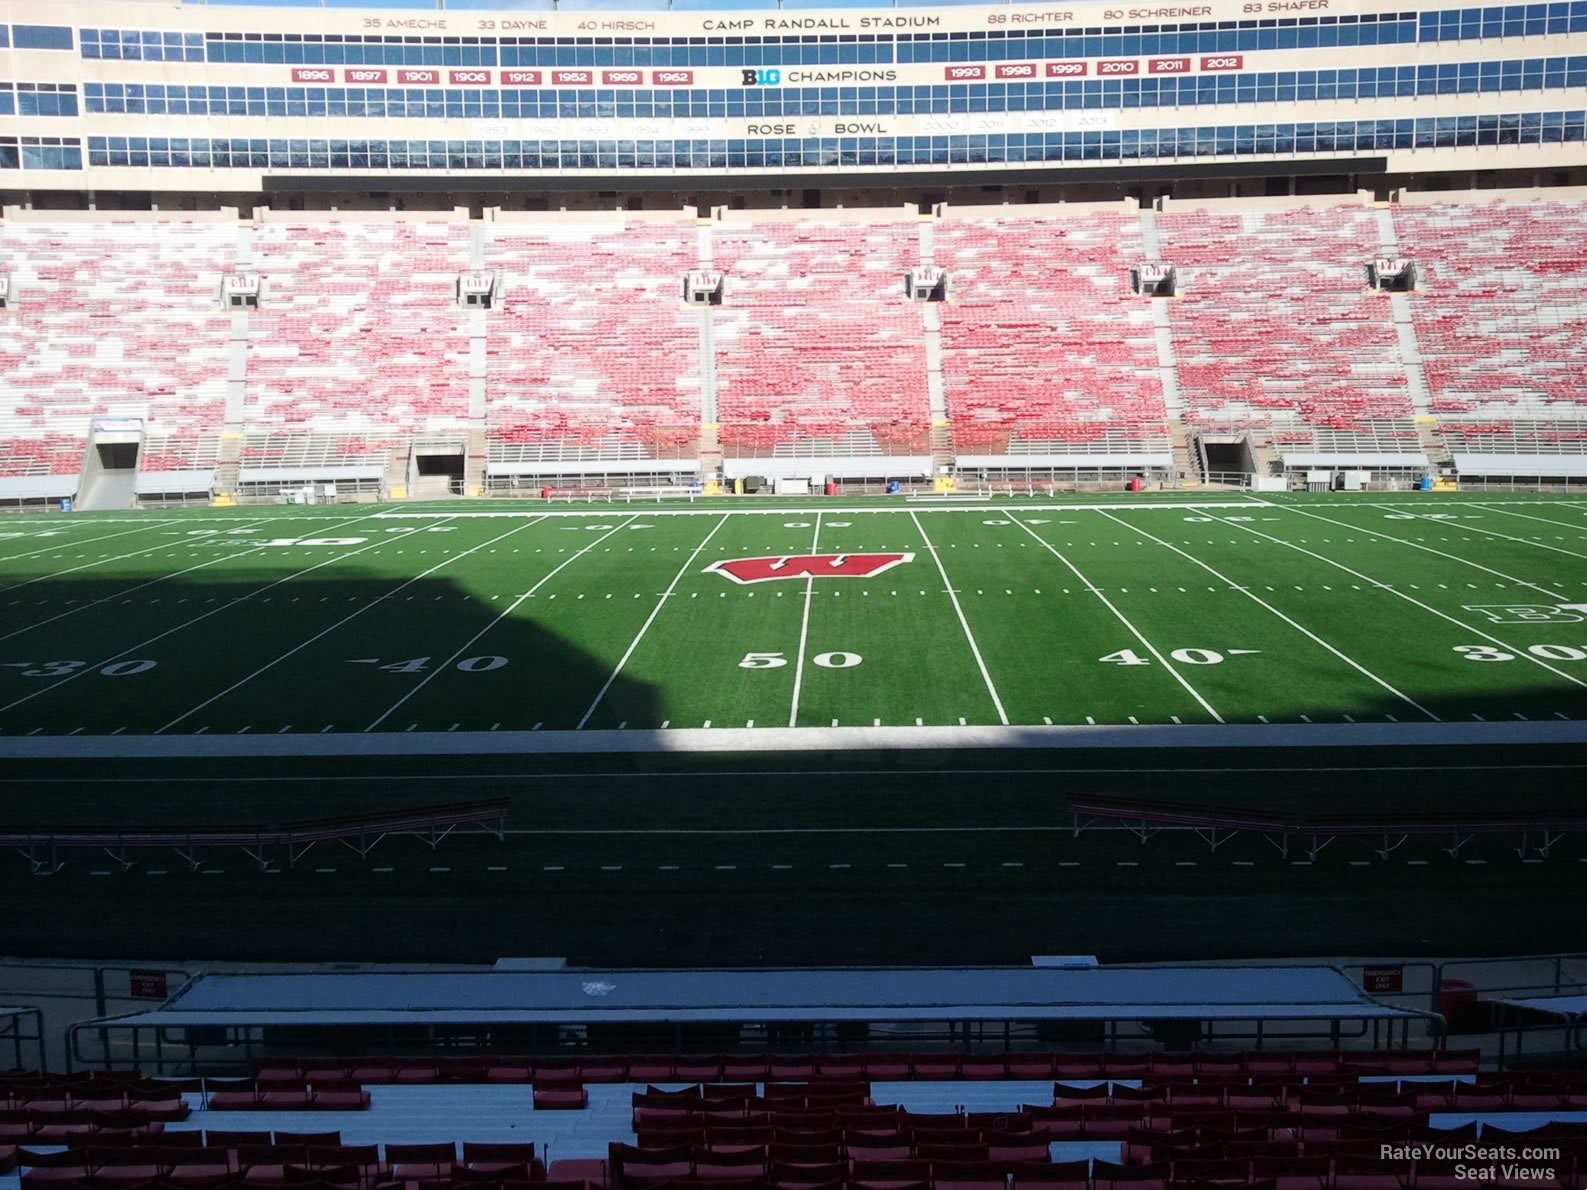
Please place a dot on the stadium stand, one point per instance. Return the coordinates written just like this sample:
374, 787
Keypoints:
357, 328
593, 362
108, 319
818, 354
1079, 1121
1045, 350
589, 371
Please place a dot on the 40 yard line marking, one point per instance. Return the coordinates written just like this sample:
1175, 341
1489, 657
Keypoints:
1122, 618
969, 636
1293, 624
197, 619
656, 611
1462, 625
804, 629
502, 615
350, 616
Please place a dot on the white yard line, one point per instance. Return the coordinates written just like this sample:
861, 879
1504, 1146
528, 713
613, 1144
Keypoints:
239, 601
350, 616
1579, 526
750, 508
82, 607
1461, 624
1422, 516
1521, 582
969, 636
1301, 628
651, 619
502, 615
804, 629
71, 544
1122, 618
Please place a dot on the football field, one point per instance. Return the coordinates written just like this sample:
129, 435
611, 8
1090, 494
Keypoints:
1148, 610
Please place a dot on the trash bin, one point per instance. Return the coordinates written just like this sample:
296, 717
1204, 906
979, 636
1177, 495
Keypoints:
1458, 1004
545, 493
894, 487
1136, 485
66, 504
1426, 485
832, 487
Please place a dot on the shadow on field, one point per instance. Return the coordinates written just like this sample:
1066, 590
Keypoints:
691, 859
344, 651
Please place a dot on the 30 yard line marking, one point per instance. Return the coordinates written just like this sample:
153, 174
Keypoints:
655, 611
804, 628
1301, 628
375, 602
1122, 618
969, 636
500, 616
238, 602
1462, 625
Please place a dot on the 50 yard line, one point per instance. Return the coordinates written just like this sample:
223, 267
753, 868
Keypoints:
1122, 618
504, 613
969, 636
656, 611
1301, 628
804, 629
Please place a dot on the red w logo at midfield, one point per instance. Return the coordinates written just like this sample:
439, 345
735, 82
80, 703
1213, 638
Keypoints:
763, 570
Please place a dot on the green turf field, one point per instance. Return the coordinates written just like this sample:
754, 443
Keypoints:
1153, 609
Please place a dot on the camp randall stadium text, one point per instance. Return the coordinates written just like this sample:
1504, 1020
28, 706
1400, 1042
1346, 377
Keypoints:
1478, 1163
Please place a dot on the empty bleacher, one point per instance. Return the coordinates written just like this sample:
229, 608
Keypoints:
1501, 307
1045, 351
818, 351
591, 356
109, 319
1299, 1120
1274, 325
357, 328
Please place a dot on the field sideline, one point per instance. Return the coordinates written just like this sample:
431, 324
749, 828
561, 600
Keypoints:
1143, 611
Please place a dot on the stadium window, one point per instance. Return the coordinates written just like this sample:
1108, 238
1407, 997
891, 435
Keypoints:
42, 37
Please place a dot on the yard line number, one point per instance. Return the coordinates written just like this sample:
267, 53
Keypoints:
417, 665
836, 660
1546, 652
1183, 656
61, 669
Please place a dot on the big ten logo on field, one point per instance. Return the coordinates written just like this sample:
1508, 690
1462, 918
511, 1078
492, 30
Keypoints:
1531, 613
